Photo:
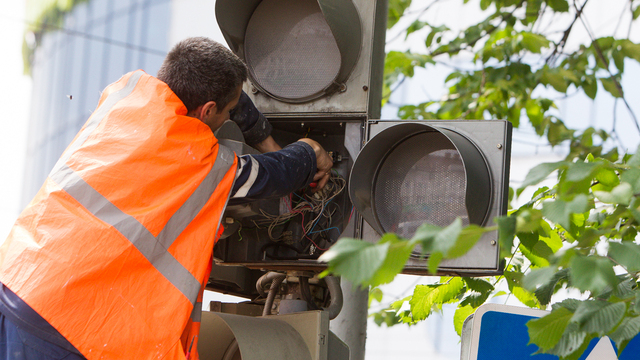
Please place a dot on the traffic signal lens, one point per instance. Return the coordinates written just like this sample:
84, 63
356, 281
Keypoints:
412, 173
290, 49
421, 180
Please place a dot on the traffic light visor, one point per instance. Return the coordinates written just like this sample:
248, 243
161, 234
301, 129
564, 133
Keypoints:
295, 50
413, 173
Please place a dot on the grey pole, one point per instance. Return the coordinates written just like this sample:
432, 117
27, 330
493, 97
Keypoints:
351, 325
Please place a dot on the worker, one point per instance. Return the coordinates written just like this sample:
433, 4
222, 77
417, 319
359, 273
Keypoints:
110, 257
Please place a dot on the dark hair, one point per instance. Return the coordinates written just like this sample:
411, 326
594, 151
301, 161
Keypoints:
199, 70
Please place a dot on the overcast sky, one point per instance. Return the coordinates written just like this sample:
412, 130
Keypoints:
15, 94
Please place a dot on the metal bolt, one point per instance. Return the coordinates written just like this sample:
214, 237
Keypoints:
254, 90
343, 88
365, 88
493, 242
499, 146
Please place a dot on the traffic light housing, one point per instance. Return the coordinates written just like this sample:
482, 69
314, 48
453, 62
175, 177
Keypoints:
315, 69
410, 173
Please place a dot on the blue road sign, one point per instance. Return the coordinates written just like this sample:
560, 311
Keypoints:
499, 332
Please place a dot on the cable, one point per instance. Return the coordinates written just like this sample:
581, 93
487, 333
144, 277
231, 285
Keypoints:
315, 212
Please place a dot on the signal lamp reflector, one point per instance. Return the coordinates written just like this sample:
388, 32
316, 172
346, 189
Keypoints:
290, 50
413, 173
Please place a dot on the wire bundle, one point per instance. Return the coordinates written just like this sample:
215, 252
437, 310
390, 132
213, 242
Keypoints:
312, 208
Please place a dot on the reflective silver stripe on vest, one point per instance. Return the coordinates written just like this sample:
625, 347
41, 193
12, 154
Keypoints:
190, 209
196, 314
152, 248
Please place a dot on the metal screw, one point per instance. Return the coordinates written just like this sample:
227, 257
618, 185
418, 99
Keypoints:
365, 88
493, 242
343, 88
499, 146
254, 90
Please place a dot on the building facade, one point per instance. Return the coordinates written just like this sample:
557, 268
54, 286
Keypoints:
94, 44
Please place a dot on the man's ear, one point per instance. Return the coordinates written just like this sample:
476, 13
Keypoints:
208, 109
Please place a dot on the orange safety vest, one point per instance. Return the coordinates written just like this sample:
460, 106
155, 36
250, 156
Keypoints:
115, 248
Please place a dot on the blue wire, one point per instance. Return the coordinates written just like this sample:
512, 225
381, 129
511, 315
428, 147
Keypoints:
318, 219
303, 199
317, 231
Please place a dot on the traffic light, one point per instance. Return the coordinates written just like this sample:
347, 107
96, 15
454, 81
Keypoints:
304, 336
410, 173
315, 69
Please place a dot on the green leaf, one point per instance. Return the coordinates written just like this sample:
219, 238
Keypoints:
535, 113
397, 255
628, 329
467, 238
592, 273
506, 234
611, 87
375, 294
545, 292
415, 26
546, 331
580, 171
629, 49
626, 254
636, 12
461, 314
484, 4
571, 342
534, 42
634, 161
539, 276
560, 211
590, 86
426, 296
553, 77
396, 10
558, 5
481, 290
526, 297
540, 172
434, 261
608, 177
621, 194
451, 242
355, 260
632, 176
557, 132
597, 316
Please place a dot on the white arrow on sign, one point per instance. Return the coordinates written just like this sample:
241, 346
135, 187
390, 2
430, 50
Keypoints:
603, 351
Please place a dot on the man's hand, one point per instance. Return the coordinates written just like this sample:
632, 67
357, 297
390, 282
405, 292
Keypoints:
324, 164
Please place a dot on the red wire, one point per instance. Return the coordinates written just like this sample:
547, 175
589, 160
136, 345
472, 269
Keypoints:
314, 243
303, 229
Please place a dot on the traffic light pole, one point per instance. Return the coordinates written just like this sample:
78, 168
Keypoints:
351, 325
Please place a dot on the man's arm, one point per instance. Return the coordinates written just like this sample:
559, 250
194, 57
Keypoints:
255, 128
276, 174
267, 145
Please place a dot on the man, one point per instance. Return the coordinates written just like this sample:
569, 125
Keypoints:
109, 259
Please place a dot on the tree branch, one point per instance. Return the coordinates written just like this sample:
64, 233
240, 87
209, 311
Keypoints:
560, 45
602, 58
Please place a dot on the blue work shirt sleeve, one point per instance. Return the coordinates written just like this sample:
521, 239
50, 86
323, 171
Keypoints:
274, 174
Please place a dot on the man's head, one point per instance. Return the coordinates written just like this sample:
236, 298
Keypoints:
205, 75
